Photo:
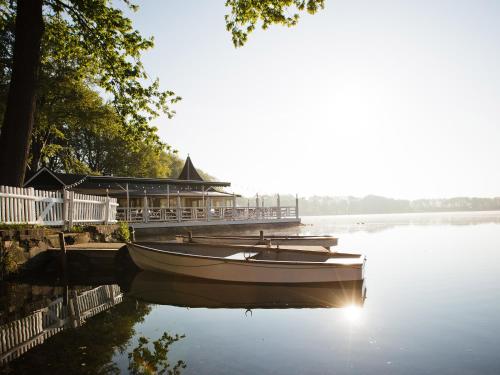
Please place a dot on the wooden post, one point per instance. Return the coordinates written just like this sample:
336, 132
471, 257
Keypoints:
209, 208
145, 209
296, 206
203, 195
71, 207
168, 196
107, 208
279, 207
32, 210
132, 233
190, 236
257, 206
179, 211
234, 206
127, 212
62, 255
65, 207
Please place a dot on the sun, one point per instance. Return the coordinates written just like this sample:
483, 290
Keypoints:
353, 313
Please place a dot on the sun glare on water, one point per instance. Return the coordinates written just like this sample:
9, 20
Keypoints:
353, 314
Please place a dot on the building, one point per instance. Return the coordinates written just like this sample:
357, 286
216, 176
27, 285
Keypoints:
166, 202
188, 190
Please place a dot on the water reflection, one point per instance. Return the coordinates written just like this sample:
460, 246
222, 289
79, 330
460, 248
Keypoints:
167, 289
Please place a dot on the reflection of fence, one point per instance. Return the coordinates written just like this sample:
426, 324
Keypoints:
30, 206
164, 214
21, 335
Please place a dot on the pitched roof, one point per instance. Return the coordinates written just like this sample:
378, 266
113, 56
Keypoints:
189, 172
46, 177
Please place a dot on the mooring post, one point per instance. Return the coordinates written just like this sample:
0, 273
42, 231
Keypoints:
62, 254
261, 235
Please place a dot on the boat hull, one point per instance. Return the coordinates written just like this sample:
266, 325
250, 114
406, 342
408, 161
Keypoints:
252, 271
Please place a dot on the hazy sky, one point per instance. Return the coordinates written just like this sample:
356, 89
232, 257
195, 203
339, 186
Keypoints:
395, 98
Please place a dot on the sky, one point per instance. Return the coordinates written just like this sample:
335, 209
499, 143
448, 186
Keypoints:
393, 98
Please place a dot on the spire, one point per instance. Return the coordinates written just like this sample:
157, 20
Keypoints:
189, 172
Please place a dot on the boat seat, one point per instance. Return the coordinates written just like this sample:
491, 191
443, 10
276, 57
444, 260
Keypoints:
241, 256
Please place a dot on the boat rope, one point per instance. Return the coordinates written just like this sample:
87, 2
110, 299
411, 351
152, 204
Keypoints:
254, 264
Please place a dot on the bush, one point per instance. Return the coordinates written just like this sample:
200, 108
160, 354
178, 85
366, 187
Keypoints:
123, 233
8, 263
77, 229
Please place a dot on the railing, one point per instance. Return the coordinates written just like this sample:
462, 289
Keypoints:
182, 214
21, 335
30, 206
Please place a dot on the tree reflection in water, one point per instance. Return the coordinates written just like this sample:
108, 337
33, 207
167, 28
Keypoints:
144, 361
90, 349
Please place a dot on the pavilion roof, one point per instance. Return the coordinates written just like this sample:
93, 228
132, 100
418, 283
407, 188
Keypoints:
47, 179
189, 172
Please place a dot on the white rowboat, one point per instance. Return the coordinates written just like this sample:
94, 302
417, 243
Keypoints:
324, 241
252, 264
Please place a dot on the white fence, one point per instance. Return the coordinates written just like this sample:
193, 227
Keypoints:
181, 214
30, 206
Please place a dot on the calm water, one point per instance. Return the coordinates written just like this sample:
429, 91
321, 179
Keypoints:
432, 306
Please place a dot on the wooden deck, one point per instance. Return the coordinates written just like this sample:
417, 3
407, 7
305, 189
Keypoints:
212, 223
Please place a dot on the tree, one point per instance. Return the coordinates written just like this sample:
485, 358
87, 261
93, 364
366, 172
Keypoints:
109, 52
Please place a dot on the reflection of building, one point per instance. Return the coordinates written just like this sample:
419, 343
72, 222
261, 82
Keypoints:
20, 335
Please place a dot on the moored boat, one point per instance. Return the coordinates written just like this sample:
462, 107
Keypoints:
253, 264
279, 240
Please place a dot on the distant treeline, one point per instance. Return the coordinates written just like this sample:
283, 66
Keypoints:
372, 204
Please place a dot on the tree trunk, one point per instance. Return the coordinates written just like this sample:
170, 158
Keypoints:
19, 114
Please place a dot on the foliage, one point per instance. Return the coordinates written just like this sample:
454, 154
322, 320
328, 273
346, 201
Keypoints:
144, 361
123, 232
95, 99
245, 14
108, 49
93, 95
77, 229
8, 262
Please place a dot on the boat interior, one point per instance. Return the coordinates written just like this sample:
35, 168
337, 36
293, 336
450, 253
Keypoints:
261, 252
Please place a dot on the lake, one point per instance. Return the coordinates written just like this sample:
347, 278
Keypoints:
430, 304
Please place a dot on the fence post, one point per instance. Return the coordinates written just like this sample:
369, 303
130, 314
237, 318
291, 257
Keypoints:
107, 210
179, 211
71, 208
145, 210
234, 206
32, 209
296, 206
279, 207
